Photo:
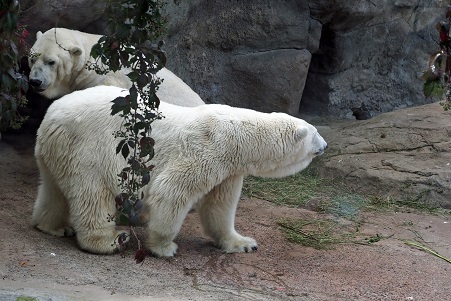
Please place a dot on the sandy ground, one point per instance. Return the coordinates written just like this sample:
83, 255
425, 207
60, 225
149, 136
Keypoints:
38, 265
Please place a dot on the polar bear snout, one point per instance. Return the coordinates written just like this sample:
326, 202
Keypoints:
321, 143
36, 84
321, 150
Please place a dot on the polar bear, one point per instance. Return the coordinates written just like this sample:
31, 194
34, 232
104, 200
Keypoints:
201, 156
58, 67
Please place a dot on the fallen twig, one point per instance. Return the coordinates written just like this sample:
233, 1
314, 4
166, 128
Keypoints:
424, 248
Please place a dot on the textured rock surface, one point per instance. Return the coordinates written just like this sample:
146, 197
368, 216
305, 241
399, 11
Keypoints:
366, 56
371, 56
350, 58
404, 154
84, 15
249, 54
342, 58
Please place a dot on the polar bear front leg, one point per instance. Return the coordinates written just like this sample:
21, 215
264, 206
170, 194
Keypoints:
217, 213
165, 221
51, 210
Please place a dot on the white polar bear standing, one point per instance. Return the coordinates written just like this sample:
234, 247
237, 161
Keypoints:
58, 67
201, 156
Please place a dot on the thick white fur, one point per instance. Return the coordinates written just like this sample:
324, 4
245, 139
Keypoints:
202, 155
68, 72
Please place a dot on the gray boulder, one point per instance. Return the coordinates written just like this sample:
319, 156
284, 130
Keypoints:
404, 154
249, 54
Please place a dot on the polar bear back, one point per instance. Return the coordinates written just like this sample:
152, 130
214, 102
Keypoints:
232, 140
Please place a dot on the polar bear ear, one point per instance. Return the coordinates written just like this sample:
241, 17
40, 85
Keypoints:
75, 50
300, 133
38, 34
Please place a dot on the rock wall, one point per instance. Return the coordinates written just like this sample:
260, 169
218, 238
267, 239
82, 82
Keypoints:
351, 59
371, 55
348, 59
84, 15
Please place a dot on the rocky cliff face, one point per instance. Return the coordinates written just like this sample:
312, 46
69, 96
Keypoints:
371, 55
351, 59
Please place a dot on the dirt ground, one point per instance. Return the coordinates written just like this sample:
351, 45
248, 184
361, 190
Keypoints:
38, 265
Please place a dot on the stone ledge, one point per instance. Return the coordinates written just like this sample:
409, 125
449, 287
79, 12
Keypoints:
405, 154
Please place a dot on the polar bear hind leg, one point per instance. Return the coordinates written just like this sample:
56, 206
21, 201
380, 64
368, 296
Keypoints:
217, 214
95, 232
51, 210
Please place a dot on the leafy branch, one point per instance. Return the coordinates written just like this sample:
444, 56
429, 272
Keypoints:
133, 24
437, 78
13, 85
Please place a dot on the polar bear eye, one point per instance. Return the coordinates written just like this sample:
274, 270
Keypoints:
51, 63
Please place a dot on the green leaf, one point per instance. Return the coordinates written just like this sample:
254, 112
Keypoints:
96, 50
121, 101
147, 141
145, 178
123, 32
116, 109
13, 106
119, 104
115, 64
133, 97
125, 151
134, 164
131, 143
9, 21
139, 126
23, 84
14, 48
133, 76
433, 88
122, 220
142, 81
120, 146
147, 151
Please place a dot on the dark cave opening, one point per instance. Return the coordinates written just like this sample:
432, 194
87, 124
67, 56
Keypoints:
324, 63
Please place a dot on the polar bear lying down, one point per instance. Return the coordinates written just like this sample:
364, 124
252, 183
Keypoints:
201, 156
58, 67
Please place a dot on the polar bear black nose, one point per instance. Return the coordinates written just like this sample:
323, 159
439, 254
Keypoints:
35, 82
321, 150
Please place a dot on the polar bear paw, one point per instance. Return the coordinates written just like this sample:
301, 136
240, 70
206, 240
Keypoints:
164, 250
61, 232
103, 242
239, 244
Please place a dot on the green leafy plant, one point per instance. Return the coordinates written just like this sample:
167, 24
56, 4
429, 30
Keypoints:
132, 26
13, 85
437, 78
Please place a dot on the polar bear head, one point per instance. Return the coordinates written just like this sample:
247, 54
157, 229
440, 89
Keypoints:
56, 59
306, 144
295, 143
254, 143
